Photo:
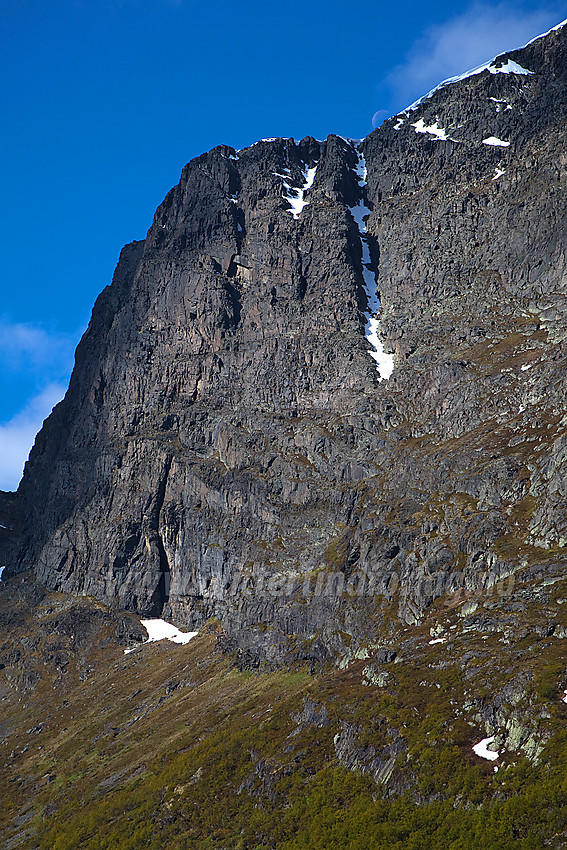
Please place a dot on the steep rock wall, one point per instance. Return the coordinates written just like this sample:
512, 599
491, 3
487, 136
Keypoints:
227, 448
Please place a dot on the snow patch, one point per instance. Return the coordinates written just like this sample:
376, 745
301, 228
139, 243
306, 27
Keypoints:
432, 129
563, 698
509, 67
437, 640
360, 212
526, 366
495, 142
296, 196
161, 630
1, 571
499, 103
481, 749
498, 172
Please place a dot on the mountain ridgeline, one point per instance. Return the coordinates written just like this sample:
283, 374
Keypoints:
233, 445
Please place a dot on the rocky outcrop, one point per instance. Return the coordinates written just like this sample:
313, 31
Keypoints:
227, 447
381, 765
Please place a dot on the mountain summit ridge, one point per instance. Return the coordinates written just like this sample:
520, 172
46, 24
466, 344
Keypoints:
493, 65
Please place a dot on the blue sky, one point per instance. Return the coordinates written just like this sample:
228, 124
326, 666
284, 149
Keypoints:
104, 101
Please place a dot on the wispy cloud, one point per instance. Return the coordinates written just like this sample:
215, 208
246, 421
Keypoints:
17, 436
31, 348
461, 43
35, 364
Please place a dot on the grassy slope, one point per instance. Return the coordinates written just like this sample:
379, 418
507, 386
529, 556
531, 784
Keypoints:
173, 746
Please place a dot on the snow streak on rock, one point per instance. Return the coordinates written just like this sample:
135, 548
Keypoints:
497, 143
495, 66
296, 196
384, 362
501, 105
543, 34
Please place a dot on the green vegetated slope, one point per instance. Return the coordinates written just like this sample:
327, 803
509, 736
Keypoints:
175, 746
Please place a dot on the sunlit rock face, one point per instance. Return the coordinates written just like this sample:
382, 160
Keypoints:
330, 382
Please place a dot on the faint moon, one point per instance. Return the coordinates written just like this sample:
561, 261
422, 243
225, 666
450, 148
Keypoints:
379, 117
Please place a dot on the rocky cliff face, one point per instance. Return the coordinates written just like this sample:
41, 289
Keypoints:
229, 447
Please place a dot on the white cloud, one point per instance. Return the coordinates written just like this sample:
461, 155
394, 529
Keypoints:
30, 348
18, 434
35, 364
463, 42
